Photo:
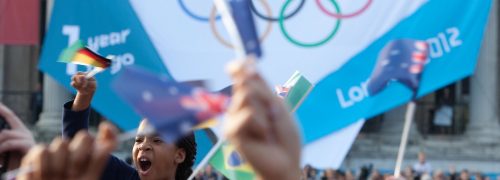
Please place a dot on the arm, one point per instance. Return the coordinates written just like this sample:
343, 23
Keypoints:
76, 113
76, 117
74, 121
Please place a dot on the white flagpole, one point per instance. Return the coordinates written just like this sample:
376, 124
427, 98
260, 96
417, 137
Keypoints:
93, 72
410, 113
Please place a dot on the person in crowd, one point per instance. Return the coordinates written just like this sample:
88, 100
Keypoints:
422, 166
439, 175
209, 173
453, 173
375, 175
464, 175
478, 176
306, 172
349, 175
408, 173
328, 174
426, 176
153, 158
15, 139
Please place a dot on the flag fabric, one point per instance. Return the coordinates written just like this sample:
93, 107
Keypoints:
281, 91
245, 24
172, 108
402, 61
231, 164
78, 53
295, 90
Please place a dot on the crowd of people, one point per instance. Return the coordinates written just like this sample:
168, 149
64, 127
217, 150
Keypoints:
366, 173
259, 124
421, 170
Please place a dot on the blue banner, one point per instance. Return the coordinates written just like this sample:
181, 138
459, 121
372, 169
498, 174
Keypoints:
110, 28
453, 32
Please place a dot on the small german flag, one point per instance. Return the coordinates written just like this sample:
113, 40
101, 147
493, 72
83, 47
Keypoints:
77, 53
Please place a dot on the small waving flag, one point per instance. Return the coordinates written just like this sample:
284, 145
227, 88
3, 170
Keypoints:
402, 61
77, 53
295, 90
173, 108
231, 164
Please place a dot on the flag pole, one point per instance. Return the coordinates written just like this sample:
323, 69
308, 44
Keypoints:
93, 72
410, 113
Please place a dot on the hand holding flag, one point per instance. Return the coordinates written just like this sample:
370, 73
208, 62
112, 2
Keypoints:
77, 53
260, 126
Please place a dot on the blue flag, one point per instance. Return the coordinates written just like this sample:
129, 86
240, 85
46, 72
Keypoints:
402, 61
243, 18
172, 108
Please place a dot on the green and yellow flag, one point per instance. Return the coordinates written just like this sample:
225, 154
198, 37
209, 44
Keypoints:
229, 162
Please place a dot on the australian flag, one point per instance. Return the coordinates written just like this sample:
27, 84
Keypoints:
243, 18
172, 108
402, 61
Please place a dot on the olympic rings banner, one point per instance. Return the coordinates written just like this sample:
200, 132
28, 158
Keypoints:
334, 43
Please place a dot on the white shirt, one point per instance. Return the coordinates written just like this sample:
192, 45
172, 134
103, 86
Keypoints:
422, 168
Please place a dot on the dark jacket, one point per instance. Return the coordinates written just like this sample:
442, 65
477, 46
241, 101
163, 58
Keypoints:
75, 121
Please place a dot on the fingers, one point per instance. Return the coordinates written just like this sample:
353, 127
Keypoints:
106, 142
82, 158
80, 147
58, 151
11, 118
6, 134
41, 163
36, 164
248, 116
79, 81
21, 145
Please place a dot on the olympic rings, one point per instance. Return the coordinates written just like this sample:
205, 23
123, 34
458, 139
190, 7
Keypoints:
289, 38
191, 14
343, 16
269, 18
219, 38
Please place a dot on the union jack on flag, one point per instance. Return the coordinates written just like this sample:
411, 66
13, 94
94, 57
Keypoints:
173, 108
204, 103
281, 91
